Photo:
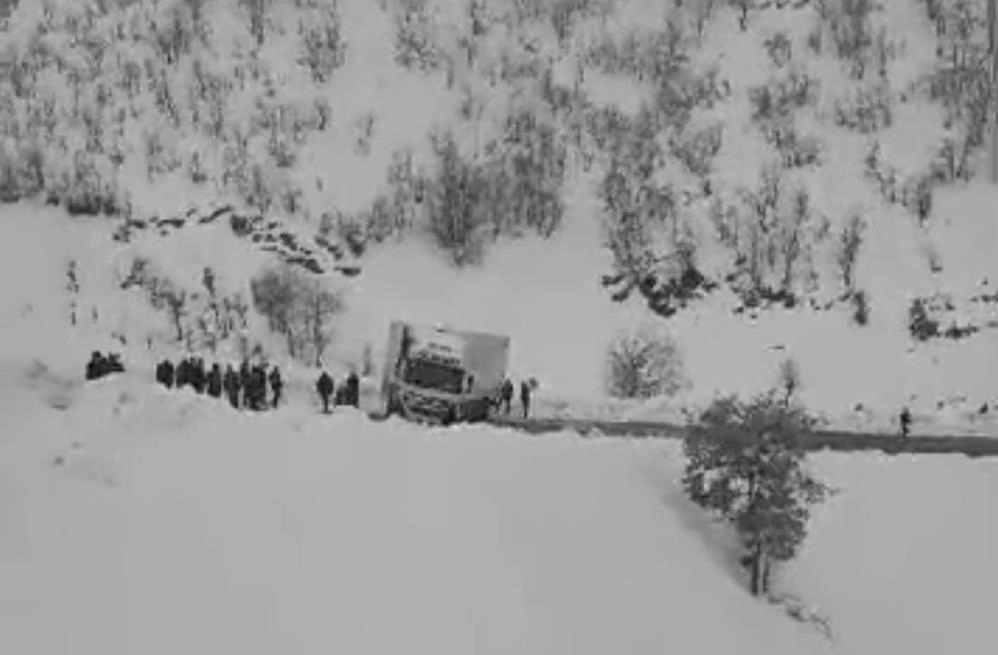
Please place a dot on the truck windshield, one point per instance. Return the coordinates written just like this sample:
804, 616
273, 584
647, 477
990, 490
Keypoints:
431, 375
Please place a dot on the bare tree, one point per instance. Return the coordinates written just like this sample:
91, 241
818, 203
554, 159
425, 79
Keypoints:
702, 12
743, 7
643, 363
323, 45
176, 303
455, 209
257, 12
73, 288
299, 307
850, 241
792, 236
320, 305
790, 379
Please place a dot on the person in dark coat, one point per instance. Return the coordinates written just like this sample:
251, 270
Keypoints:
214, 381
506, 396
231, 382
258, 375
96, 366
245, 382
183, 375
164, 373
905, 422
276, 385
525, 398
324, 385
168, 373
198, 375
352, 389
113, 364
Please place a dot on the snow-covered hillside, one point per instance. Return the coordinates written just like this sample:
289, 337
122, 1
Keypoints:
808, 163
140, 520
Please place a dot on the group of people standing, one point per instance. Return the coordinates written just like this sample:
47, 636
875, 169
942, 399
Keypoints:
246, 387
506, 397
348, 392
101, 365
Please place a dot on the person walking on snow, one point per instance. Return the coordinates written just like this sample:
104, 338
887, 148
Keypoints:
198, 377
214, 382
525, 397
245, 383
168, 373
95, 367
231, 383
905, 422
324, 386
507, 396
353, 389
181, 374
276, 384
164, 373
258, 377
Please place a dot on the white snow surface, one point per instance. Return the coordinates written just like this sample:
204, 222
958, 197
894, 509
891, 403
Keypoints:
136, 519
171, 524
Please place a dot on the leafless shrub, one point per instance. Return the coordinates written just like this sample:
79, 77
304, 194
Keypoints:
73, 289
702, 11
454, 210
849, 24
795, 149
743, 7
415, 47
257, 13
298, 306
644, 362
697, 149
789, 378
364, 129
780, 97
952, 160
323, 48
779, 48
868, 110
778, 228
850, 241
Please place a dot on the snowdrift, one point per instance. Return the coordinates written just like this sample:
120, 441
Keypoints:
903, 559
141, 520
137, 520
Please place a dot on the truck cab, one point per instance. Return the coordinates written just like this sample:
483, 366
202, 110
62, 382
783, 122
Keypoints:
442, 375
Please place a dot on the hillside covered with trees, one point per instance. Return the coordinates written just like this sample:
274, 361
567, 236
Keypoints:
814, 156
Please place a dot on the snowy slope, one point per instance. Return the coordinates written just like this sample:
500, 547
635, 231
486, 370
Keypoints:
192, 120
143, 520
137, 519
917, 535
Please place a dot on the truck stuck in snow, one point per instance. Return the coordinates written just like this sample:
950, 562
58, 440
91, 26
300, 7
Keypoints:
442, 374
